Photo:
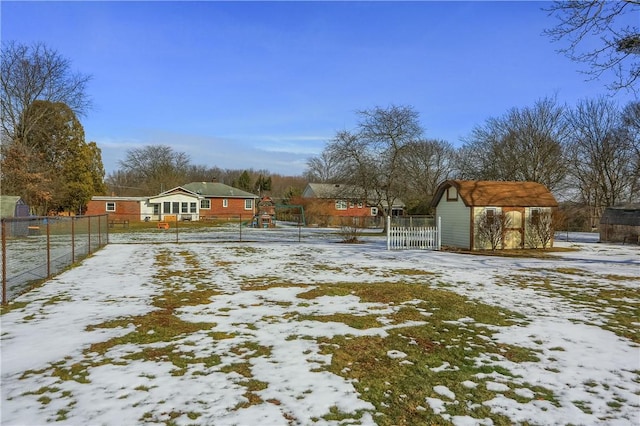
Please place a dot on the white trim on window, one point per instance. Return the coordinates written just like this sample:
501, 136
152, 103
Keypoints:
341, 205
225, 203
248, 204
110, 206
205, 204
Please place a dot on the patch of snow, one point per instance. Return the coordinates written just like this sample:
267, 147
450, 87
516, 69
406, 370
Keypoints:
394, 354
497, 387
444, 391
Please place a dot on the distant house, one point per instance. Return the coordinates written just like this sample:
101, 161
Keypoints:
621, 224
220, 200
193, 201
13, 206
460, 203
335, 201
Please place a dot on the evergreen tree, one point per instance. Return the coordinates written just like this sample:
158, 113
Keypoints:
53, 168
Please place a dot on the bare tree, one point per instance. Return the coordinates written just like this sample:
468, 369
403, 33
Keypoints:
631, 122
610, 26
323, 168
526, 144
36, 72
601, 155
156, 168
426, 164
540, 228
491, 229
371, 157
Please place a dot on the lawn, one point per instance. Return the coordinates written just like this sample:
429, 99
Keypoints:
288, 333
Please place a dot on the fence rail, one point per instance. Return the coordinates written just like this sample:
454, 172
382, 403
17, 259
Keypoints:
405, 236
36, 247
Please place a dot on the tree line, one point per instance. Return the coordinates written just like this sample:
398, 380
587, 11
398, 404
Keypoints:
152, 169
588, 154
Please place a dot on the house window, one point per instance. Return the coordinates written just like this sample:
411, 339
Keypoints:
360, 205
184, 208
176, 207
535, 216
341, 205
351, 204
491, 214
205, 204
225, 203
192, 208
111, 206
248, 204
166, 207
156, 209
374, 211
452, 194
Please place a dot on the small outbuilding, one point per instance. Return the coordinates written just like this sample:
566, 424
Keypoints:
266, 213
621, 224
525, 207
13, 206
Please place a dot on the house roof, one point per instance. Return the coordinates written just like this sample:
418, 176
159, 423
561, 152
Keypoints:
628, 214
332, 190
117, 198
217, 189
177, 190
499, 194
340, 191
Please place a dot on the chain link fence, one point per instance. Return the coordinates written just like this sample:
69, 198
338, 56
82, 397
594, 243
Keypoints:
35, 248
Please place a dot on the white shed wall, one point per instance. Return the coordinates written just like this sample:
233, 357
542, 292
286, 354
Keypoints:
455, 223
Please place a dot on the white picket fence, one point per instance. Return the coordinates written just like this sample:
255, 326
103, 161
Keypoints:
413, 237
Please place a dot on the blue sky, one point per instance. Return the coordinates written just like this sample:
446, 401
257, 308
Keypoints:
265, 85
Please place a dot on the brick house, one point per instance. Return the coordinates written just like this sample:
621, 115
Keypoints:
328, 203
193, 201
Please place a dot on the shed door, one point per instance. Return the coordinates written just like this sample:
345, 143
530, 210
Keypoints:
514, 235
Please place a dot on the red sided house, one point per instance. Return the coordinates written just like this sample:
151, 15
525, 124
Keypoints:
328, 203
461, 205
194, 201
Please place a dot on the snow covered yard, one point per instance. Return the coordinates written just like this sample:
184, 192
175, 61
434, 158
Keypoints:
266, 333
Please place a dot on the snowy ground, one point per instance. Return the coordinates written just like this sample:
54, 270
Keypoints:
67, 354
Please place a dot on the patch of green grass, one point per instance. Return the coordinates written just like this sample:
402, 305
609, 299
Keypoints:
360, 322
250, 350
583, 406
397, 387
